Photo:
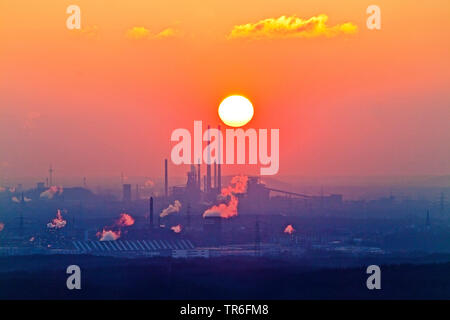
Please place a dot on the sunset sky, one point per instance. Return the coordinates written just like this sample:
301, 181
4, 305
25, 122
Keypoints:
105, 99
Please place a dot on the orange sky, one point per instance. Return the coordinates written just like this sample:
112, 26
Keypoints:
98, 102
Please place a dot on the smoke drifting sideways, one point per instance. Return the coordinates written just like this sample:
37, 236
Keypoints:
125, 220
177, 228
58, 222
172, 208
229, 207
114, 232
2, 226
289, 229
51, 192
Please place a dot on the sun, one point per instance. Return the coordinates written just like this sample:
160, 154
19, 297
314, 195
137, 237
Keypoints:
236, 111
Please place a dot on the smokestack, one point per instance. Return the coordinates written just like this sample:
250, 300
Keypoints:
166, 180
215, 174
208, 166
219, 172
126, 192
50, 176
137, 192
151, 213
199, 177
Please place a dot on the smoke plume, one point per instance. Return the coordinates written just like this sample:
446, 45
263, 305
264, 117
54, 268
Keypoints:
51, 192
172, 208
177, 228
289, 229
2, 226
228, 208
58, 222
108, 235
114, 232
125, 220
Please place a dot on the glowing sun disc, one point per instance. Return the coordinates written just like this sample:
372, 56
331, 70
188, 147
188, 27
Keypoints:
236, 111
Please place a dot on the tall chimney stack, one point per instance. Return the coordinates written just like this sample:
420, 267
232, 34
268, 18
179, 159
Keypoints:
151, 213
166, 180
219, 172
208, 165
50, 175
215, 174
199, 177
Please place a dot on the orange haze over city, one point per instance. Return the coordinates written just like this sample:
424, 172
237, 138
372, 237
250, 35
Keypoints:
102, 100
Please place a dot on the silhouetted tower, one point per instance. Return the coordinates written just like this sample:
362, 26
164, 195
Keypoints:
215, 174
199, 176
166, 180
50, 176
219, 172
137, 192
208, 164
126, 192
151, 213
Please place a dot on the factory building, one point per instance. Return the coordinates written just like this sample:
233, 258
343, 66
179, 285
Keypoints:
142, 247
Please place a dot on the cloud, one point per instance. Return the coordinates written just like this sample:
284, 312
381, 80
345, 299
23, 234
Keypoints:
168, 33
138, 33
141, 33
291, 27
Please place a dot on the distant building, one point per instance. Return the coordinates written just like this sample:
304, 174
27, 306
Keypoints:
127, 192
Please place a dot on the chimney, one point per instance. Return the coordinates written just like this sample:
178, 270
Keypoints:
219, 172
126, 192
199, 177
50, 175
215, 174
208, 178
151, 213
166, 180
208, 166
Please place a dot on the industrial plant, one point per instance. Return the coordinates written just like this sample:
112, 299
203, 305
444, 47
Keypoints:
207, 216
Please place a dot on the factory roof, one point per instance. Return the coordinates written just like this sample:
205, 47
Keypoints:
133, 245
